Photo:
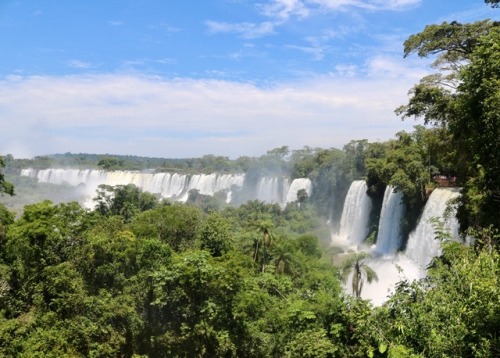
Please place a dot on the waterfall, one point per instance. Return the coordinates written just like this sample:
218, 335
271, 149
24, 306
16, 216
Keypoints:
167, 185
298, 184
271, 189
209, 184
389, 229
280, 190
355, 214
422, 245
173, 185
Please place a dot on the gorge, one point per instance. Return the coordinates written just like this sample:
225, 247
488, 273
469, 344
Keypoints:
393, 256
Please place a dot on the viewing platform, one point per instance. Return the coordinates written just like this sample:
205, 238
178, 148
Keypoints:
443, 181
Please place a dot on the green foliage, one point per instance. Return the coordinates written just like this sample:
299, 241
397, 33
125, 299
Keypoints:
5, 187
124, 200
463, 99
356, 265
404, 164
111, 163
452, 312
177, 225
207, 203
215, 235
476, 129
174, 282
308, 245
6, 218
329, 181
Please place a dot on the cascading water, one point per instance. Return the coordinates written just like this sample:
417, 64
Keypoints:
420, 249
391, 266
167, 185
271, 189
280, 190
209, 184
389, 236
298, 184
172, 185
355, 215
422, 245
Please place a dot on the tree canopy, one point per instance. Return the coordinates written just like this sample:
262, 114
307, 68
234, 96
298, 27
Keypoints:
463, 99
5, 187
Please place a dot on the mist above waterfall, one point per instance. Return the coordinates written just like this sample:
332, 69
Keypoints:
175, 186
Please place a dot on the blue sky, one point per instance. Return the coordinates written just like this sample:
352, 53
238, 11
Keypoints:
178, 78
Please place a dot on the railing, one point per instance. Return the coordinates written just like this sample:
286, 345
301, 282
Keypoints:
444, 181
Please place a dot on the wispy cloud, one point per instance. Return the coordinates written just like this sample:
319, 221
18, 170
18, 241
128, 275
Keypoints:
282, 10
132, 64
366, 4
246, 30
115, 22
475, 13
165, 28
155, 116
79, 64
316, 51
346, 70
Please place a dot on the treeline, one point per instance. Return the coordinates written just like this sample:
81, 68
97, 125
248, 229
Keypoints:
276, 161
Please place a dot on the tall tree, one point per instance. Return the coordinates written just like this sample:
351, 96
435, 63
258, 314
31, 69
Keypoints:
5, 187
356, 264
463, 98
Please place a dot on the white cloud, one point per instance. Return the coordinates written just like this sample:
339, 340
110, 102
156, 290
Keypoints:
345, 70
284, 9
165, 28
79, 64
115, 23
246, 30
316, 51
366, 4
388, 67
131, 114
281, 11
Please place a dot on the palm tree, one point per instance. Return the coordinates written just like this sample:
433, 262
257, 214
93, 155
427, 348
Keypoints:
360, 271
264, 227
283, 259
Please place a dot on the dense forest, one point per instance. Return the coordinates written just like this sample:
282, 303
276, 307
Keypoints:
143, 277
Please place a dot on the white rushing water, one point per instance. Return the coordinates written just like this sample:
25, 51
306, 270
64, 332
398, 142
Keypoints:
173, 185
272, 189
390, 265
280, 190
389, 236
296, 186
422, 245
355, 215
